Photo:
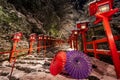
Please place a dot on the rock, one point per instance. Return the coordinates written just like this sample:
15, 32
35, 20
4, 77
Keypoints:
44, 76
47, 63
3, 78
34, 76
70, 49
108, 78
96, 74
5, 63
103, 69
47, 71
17, 74
5, 70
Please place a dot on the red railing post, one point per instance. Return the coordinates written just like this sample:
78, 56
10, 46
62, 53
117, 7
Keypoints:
38, 46
12, 57
39, 43
74, 35
13, 51
84, 41
83, 26
70, 43
76, 42
16, 39
49, 41
103, 10
115, 56
45, 38
30, 47
32, 40
94, 48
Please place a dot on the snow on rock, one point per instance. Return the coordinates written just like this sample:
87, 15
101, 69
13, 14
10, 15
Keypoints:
70, 49
103, 69
111, 71
34, 76
43, 76
30, 66
32, 61
108, 78
5, 63
33, 67
61, 77
3, 78
17, 74
30, 56
96, 74
5, 70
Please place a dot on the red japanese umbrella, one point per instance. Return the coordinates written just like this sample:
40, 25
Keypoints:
58, 62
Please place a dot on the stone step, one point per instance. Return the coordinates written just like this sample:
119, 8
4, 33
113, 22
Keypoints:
44, 76
103, 69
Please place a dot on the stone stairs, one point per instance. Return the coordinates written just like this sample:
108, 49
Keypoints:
35, 67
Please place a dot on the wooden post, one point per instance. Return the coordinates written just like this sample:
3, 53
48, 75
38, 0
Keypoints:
84, 41
13, 51
32, 40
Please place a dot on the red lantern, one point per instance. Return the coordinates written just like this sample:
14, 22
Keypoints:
40, 37
33, 37
45, 37
82, 25
100, 6
103, 7
17, 36
75, 32
48, 38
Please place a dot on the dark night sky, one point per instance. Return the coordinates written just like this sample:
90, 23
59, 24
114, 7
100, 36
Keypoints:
78, 3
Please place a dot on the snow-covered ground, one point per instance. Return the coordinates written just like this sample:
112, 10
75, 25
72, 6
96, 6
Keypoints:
32, 67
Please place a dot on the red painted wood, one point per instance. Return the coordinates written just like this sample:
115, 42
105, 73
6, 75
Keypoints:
13, 51
84, 41
111, 41
38, 46
30, 47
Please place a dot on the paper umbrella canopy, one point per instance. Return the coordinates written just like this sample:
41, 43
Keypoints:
58, 62
75, 63
78, 65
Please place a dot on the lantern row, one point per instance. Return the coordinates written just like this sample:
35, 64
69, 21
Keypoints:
103, 11
43, 41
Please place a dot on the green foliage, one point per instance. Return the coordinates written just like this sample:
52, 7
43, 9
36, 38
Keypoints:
6, 17
53, 31
51, 25
3, 15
